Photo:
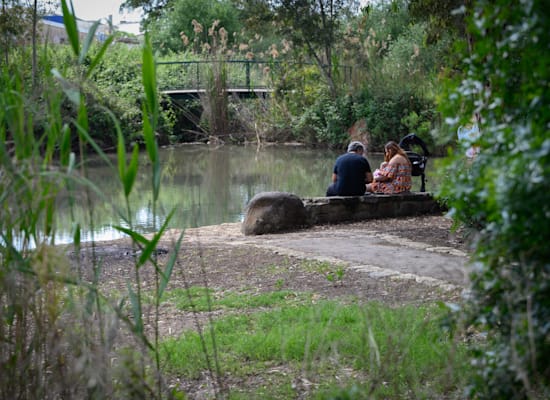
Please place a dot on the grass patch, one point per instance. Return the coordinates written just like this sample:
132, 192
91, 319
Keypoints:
322, 267
332, 272
389, 353
205, 299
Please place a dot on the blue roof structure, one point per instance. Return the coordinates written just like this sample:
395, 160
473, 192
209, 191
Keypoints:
54, 18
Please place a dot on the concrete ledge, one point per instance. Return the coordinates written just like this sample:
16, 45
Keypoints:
271, 212
322, 210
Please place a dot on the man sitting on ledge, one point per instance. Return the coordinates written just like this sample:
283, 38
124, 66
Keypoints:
351, 172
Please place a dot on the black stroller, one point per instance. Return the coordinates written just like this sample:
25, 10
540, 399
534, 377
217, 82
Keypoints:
418, 161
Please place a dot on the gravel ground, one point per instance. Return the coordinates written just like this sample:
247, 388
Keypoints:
222, 258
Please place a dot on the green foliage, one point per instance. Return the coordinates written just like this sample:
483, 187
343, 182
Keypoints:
392, 117
114, 85
315, 28
205, 299
443, 16
15, 23
403, 347
503, 193
377, 27
303, 104
59, 332
397, 94
117, 87
327, 119
410, 63
175, 26
419, 124
311, 104
151, 8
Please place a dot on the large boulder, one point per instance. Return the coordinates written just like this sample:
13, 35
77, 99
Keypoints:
270, 212
359, 132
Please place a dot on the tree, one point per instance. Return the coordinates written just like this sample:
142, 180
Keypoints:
504, 194
314, 25
151, 8
175, 23
13, 26
443, 16
19, 25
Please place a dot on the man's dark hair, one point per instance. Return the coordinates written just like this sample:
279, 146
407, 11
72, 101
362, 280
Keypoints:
354, 146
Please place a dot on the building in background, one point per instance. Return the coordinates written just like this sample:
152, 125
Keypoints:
52, 30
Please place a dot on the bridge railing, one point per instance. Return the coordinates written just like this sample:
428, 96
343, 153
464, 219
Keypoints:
240, 74
247, 74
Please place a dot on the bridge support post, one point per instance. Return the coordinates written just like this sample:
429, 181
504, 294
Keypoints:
197, 74
248, 75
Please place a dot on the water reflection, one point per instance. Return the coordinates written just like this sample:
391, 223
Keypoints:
204, 185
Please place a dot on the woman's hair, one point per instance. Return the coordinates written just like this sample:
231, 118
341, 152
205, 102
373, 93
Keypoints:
391, 149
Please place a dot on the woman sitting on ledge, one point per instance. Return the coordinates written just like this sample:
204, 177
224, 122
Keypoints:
395, 173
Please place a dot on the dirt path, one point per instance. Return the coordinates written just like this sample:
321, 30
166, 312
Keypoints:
405, 261
364, 247
395, 261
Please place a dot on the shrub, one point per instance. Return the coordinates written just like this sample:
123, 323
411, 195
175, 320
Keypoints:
389, 117
328, 120
113, 87
503, 193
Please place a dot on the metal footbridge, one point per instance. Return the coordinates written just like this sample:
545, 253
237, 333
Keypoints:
187, 80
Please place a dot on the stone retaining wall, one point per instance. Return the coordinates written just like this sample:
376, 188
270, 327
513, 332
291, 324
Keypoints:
321, 210
271, 212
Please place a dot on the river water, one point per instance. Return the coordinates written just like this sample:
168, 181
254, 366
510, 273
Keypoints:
204, 185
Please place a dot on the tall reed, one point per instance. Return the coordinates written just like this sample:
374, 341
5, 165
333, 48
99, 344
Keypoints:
60, 336
215, 99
